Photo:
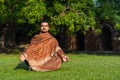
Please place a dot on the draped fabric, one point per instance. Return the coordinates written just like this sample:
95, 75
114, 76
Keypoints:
44, 53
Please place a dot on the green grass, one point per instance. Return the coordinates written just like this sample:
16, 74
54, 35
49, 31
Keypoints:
80, 67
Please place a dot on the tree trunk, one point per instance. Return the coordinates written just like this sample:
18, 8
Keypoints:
90, 42
7, 37
67, 41
71, 43
80, 40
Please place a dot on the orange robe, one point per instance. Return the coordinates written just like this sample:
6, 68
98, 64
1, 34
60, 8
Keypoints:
44, 53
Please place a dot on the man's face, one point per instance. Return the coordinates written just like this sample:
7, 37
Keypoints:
44, 27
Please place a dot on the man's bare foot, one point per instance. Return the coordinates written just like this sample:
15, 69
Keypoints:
22, 57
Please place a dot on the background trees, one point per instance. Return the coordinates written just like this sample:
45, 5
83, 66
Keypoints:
108, 20
17, 15
69, 19
109, 10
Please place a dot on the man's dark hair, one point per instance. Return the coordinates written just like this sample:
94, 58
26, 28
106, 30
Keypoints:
44, 21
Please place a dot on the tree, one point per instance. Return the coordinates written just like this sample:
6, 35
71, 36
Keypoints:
70, 16
8, 13
67, 17
108, 21
109, 10
15, 12
74, 14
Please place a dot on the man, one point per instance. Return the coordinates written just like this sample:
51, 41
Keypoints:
44, 52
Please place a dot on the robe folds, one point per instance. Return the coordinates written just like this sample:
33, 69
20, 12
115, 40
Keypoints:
44, 53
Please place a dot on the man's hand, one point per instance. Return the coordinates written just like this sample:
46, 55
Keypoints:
65, 59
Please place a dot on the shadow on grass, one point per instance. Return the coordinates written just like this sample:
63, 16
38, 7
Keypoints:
21, 65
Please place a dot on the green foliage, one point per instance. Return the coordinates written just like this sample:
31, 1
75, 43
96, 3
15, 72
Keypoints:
33, 11
117, 21
9, 10
22, 11
109, 10
98, 31
58, 7
74, 15
117, 26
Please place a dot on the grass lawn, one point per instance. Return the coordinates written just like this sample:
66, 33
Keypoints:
81, 67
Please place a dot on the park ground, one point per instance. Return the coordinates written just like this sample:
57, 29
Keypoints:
82, 66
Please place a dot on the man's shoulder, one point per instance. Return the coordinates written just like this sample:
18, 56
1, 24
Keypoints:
35, 36
54, 40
